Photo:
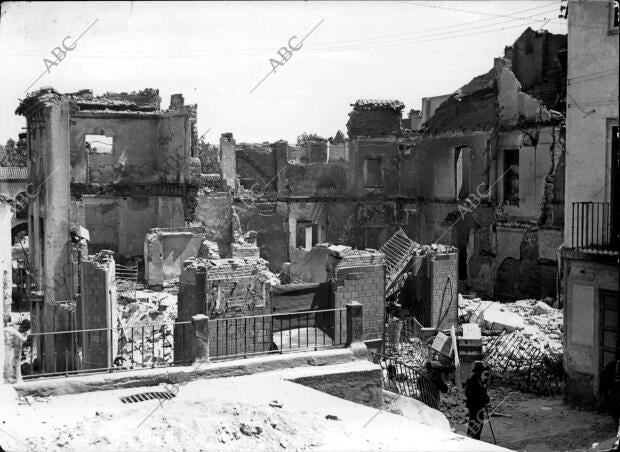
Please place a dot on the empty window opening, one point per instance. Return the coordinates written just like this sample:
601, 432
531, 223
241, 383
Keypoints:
461, 172
372, 172
98, 144
511, 177
306, 234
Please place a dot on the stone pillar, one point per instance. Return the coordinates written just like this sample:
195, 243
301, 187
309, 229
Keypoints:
355, 329
6, 283
228, 161
57, 277
200, 322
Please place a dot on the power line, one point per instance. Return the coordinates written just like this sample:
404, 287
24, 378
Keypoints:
372, 41
422, 39
372, 38
500, 15
452, 36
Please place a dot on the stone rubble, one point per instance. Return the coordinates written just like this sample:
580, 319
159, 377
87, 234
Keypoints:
147, 335
538, 321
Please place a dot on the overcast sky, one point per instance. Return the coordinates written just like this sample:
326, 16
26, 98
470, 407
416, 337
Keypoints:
216, 53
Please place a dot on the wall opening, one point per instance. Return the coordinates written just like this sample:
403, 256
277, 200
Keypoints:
372, 173
461, 172
511, 177
98, 144
306, 234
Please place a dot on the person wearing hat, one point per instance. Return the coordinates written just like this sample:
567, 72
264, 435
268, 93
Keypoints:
477, 399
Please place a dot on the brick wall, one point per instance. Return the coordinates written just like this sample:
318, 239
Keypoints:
443, 272
360, 277
98, 309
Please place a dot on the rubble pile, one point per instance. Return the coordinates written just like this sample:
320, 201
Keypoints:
536, 320
413, 353
435, 248
146, 330
452, 405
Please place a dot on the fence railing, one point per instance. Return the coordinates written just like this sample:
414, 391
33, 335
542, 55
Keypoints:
592, 229
277, 333
147, 346
404, 379
515, 359
100, 349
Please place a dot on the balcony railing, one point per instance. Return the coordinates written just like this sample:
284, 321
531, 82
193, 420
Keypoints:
592, 228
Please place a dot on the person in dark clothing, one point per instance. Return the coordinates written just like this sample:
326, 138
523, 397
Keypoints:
433, 372
477, 399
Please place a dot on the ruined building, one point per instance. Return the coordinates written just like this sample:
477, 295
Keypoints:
498, 152
107, 170
485, 174
590, 256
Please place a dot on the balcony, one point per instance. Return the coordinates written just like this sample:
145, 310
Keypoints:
593, 229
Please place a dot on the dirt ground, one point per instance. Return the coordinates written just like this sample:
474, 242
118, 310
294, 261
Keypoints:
250, 413
544, 424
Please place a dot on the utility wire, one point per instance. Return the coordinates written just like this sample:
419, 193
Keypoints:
371, 41
499, 15
429, 38
445, 27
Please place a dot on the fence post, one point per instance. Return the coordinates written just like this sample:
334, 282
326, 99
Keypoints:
355, 330
200, 323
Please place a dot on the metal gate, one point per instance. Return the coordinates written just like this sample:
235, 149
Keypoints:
403, 379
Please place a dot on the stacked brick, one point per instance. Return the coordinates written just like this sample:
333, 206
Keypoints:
359, 276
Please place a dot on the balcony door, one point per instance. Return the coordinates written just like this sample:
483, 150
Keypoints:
609, 344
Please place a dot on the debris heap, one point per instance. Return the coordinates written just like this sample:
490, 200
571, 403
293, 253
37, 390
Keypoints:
535, 320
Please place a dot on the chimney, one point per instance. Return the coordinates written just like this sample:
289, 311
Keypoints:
176, 100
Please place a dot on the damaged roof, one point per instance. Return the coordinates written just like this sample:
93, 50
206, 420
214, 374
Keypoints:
474, 105
373, 104
146, 100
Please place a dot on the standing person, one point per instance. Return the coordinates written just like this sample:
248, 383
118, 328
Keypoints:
477, 399
433, 372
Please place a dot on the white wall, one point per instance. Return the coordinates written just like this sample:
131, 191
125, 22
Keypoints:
592, 101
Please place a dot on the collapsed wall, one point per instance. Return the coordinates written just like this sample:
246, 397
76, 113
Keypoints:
165, 250
224, 289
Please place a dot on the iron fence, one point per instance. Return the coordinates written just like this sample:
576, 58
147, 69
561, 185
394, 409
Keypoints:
100, 350
592, 228
517, 360
403, 379
277, 333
